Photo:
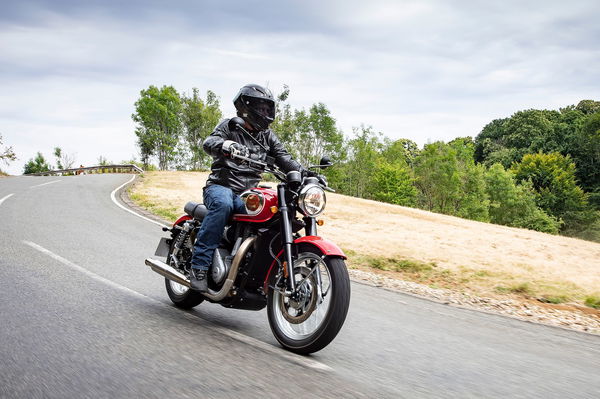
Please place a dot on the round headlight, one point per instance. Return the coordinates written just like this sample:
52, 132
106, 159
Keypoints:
312, 200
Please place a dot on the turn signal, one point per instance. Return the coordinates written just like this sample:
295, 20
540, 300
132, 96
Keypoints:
320, 222
274, 209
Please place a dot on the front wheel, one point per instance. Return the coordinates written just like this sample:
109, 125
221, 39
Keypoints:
308, 321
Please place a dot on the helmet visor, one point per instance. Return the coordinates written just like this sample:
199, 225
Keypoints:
265, 108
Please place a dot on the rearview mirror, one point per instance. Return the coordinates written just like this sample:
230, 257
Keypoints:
325, 162
234, 122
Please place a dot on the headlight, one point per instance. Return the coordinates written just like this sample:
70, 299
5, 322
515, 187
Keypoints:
312, 200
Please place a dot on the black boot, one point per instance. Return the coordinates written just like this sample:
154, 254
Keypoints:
198, 279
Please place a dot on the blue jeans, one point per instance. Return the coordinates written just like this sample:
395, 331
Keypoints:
221, 203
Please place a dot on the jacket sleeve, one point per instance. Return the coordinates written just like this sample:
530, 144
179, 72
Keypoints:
283, 159
213, 143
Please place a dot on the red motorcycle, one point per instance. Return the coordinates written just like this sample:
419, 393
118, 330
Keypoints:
264, 260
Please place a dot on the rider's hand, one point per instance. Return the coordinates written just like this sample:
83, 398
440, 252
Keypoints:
231, 147
321, 178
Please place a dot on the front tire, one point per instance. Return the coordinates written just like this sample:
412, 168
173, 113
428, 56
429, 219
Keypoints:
309, 322
180, 295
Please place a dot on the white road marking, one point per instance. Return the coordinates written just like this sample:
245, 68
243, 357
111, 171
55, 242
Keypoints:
114, 199
8, 196
43, 184
263, 346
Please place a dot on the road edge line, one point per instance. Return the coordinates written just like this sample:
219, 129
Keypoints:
300, 360
5, 198
43, 184
114, 199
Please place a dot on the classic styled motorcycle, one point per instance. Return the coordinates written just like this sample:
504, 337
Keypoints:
263, 260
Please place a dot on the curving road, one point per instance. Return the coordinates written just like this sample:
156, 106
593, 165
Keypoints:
81, 316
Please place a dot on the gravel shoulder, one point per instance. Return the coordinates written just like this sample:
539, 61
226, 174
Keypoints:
450, 242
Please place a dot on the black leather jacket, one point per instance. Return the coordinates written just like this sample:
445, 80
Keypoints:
237, 175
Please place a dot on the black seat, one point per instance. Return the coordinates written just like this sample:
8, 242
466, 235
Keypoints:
195, 210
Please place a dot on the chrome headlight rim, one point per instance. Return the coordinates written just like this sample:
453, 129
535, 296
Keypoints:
244, 197
305, 193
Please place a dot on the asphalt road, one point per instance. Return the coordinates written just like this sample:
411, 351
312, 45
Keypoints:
82, 316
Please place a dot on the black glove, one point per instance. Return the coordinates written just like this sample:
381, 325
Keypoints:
231, 147
321, 178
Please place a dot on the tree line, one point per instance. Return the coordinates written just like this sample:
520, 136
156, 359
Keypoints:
537, 169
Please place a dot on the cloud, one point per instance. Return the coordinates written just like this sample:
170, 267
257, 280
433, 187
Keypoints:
425, 70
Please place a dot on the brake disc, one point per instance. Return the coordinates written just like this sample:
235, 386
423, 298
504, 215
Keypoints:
306, 302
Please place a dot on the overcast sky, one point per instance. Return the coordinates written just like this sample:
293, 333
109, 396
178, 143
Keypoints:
70, 71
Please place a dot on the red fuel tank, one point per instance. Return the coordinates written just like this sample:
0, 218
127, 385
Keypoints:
259, 202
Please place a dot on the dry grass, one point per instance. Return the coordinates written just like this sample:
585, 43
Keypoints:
426, 247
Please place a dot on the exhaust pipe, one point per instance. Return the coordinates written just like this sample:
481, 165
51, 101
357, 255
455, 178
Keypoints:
168, 272
174, 275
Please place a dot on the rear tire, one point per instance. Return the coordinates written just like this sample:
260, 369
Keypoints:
182, 296
298, 328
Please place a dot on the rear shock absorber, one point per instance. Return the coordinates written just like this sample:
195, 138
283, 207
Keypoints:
186, 228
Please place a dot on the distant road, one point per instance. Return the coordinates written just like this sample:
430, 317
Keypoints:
81, 316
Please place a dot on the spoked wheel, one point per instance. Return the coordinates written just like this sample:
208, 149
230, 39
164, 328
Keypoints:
309, 320
180, 295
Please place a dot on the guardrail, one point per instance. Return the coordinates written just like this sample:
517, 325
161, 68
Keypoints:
91, 169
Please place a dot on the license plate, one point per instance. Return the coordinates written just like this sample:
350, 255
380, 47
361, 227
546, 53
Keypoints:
163, 248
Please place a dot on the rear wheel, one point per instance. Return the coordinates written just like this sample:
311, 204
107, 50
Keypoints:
180, 295
309, 321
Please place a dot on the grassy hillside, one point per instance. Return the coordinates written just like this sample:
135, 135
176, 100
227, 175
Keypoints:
433, 249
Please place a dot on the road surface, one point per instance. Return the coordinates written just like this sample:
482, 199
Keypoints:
82, 316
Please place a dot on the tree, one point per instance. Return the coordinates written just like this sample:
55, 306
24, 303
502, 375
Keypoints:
58, 154
315, 135
102, 161
588, 107
157, 113
393, 183
355, 175
513, 204
36, 165
587, 153
506, 140
401, 149
6, 154
199, 118
449, 181
553, 178
284, 124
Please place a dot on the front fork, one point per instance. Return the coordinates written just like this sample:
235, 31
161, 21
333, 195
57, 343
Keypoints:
287, 235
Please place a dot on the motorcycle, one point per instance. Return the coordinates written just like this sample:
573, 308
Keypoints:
264, 260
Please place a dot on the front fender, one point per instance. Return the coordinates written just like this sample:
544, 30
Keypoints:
328, 248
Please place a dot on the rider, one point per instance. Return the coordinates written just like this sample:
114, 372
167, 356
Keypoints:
229, 176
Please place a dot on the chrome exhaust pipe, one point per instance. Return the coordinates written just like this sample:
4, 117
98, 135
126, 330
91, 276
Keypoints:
174, 275
168, 272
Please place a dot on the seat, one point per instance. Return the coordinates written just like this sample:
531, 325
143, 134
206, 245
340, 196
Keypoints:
195, 210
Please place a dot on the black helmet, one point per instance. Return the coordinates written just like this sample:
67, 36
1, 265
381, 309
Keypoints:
256, 105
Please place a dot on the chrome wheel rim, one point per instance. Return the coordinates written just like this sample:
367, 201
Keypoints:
301, 317
177, 288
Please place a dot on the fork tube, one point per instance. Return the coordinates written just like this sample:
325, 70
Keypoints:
286, 236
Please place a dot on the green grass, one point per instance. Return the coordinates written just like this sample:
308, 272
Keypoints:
592, 301
167, 213
475, 281
556, 299
521, 288
399, 265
